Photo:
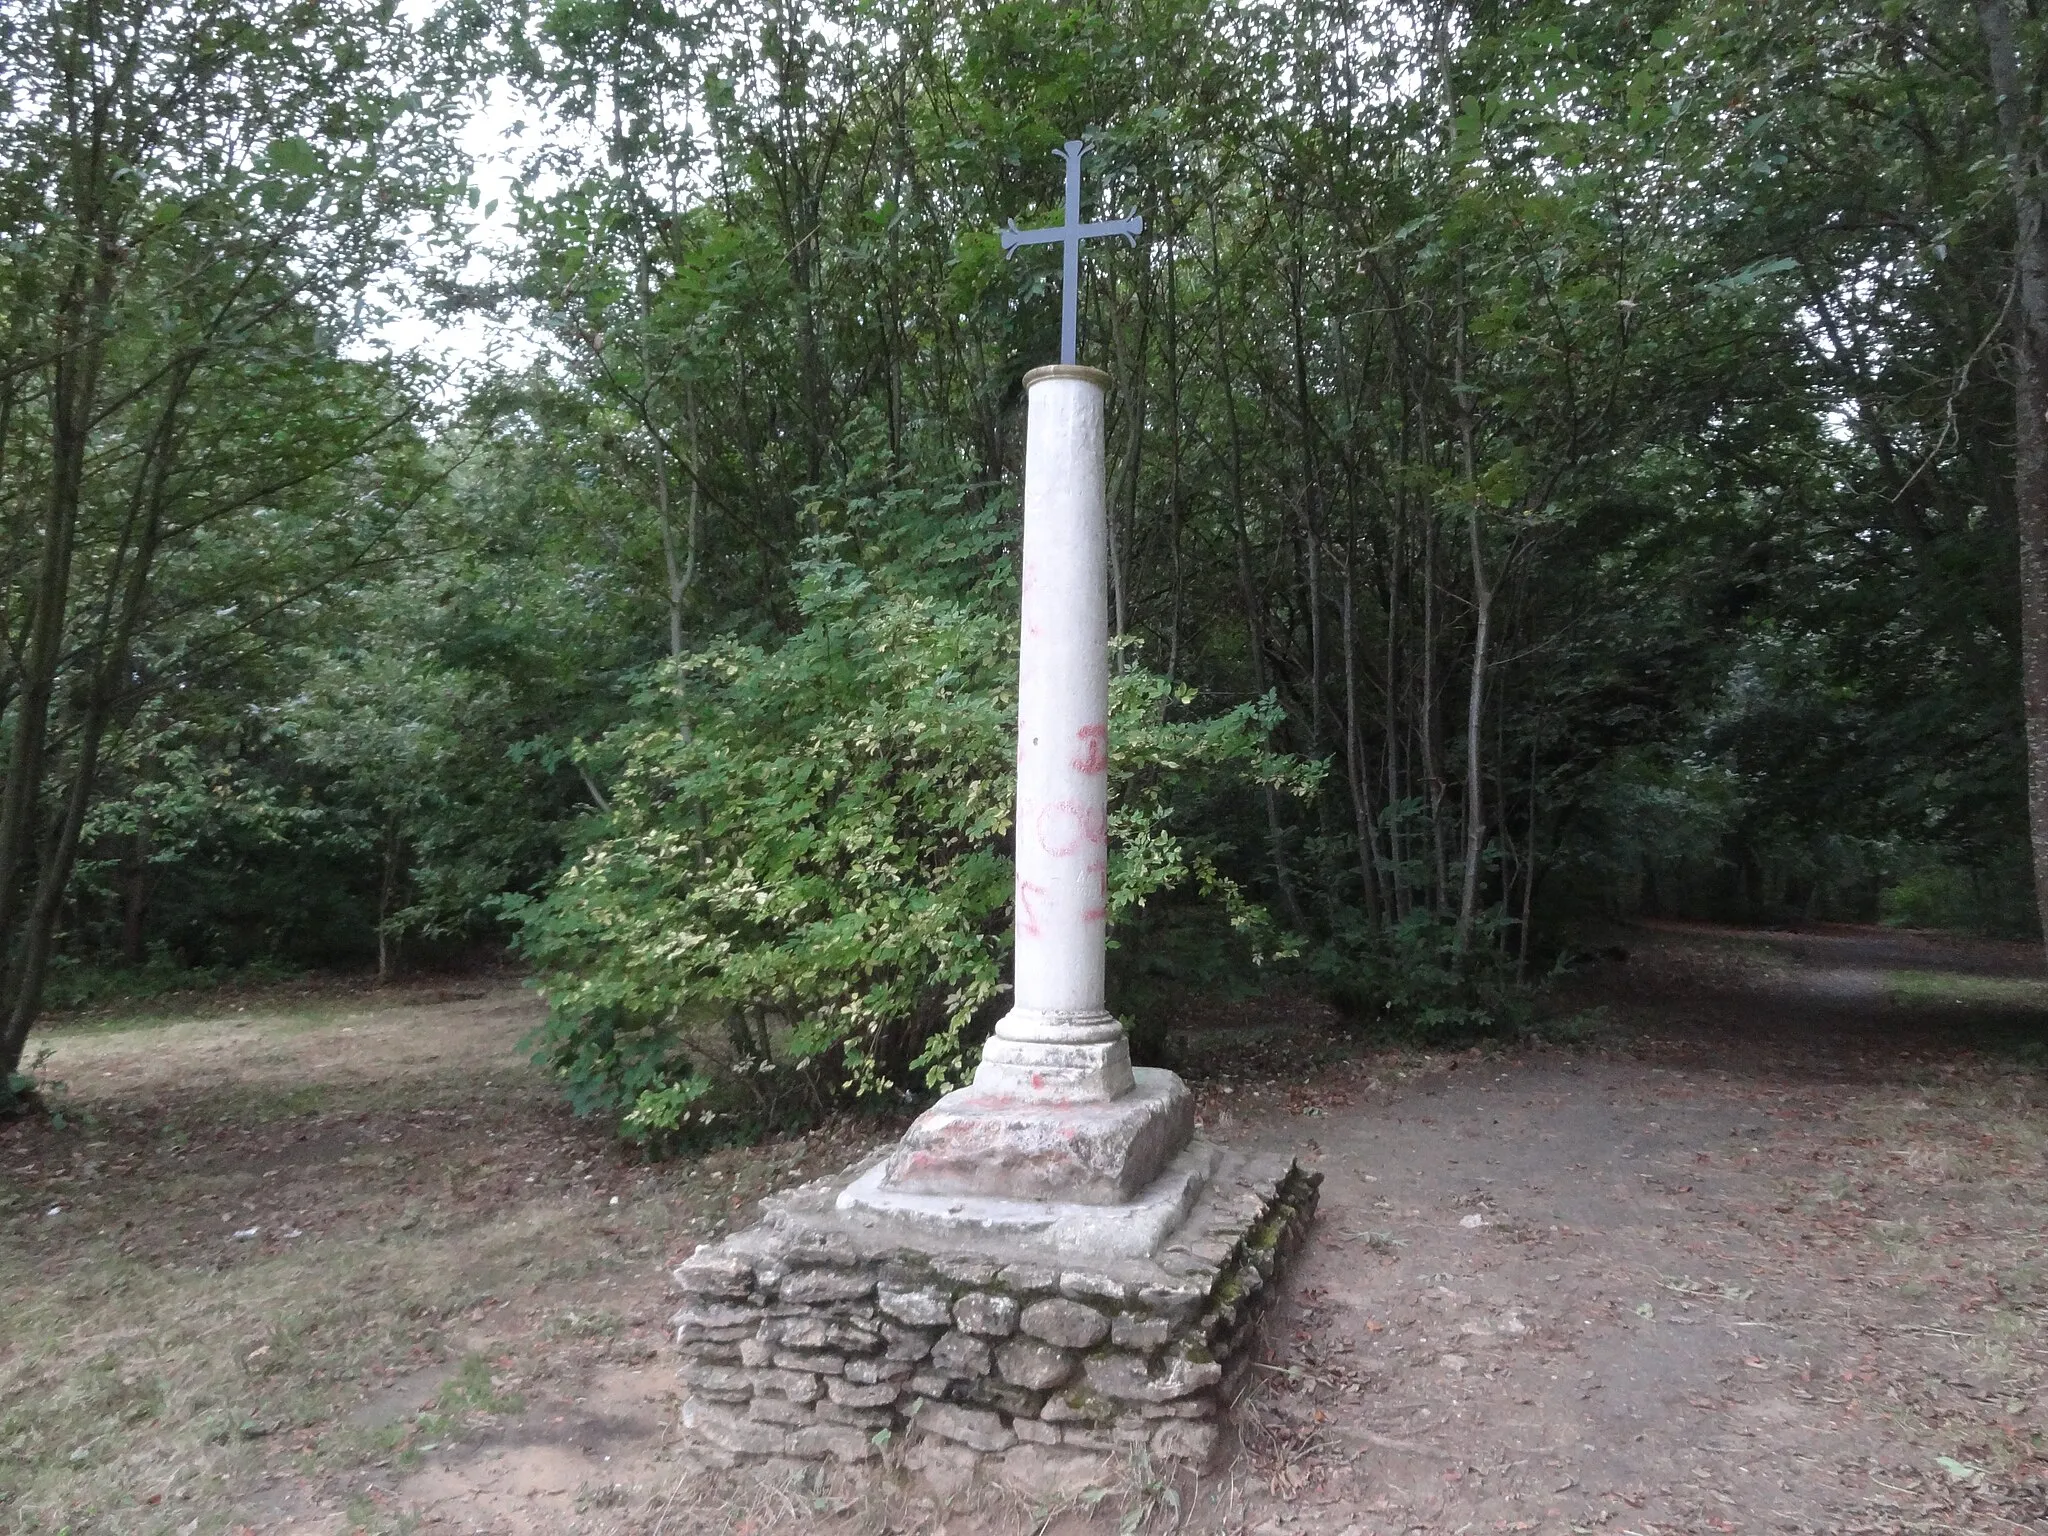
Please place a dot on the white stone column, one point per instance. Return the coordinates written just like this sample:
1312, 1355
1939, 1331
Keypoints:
1055, 1120
1057, 1040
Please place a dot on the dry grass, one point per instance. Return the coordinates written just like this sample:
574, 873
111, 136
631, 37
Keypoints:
433, 1250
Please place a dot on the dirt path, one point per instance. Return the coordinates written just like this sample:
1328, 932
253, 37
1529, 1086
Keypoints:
1766, 1256
1755, 1243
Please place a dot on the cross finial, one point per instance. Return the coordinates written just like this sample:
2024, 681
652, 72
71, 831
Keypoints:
1070, 235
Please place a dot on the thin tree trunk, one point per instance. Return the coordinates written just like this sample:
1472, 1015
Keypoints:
1528, 876
2030, 401
1354, 758
386, 893
1274, 831
1475, 690
1432, 747
135, 896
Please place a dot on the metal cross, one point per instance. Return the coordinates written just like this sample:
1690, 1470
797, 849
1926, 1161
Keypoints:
1071, 234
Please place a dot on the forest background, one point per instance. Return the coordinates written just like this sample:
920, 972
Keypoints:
1562, 465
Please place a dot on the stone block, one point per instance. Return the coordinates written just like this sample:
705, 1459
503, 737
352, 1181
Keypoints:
977, 1428
1200, 1406
1035, 1431
809, 1360
1140, 1331
930, 1384
714, 1273
815, 1285
989, 1315
1005, 1397
906, 1343
973, 1142
1089, 1285
780, 1410
1070, 1071
961, 1355
716, 1381
967, 1268
868, 1419
1186, 1440
841, 1442
925, 1307
1130, 1377
1078, 1405
807, 1247
812, 1330
756, 1352
719, 1322
1034, 1363
1069, 1324
725, 1429
867, 1373
797, 1386
1087, 1439
849, 1394
1028, 1279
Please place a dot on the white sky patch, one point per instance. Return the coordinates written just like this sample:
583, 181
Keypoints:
465, 343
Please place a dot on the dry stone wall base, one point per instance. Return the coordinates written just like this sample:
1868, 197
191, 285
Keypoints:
821, 1335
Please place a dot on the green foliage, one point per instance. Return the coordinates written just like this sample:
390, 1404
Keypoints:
1667, 339
799, 893
75, 986
1408, 983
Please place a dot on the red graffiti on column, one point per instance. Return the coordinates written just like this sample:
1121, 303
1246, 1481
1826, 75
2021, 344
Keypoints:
1062, 827
1028, 897
1094, 756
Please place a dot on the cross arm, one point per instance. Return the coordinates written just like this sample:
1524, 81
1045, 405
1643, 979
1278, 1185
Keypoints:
1012, 236
1129, 228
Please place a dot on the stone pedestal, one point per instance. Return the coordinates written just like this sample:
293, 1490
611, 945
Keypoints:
982, 1349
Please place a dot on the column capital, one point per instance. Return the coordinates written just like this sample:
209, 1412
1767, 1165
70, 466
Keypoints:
1077, 371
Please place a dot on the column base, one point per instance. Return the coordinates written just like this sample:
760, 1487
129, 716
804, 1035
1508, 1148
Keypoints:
1033, 1146
1069, 1057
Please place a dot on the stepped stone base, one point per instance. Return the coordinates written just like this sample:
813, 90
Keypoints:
979, 1142
981, 1351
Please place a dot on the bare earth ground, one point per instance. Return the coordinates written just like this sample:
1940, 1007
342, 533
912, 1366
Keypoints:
1755, 1242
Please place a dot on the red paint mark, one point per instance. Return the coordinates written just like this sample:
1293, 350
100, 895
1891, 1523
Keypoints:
1100, 871
1064, 826
1094, 756
1027, 912
1061, 827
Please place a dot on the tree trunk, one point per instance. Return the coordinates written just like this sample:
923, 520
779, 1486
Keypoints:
1482, 630
135, 897
386, 893
1356, 772
2030, 425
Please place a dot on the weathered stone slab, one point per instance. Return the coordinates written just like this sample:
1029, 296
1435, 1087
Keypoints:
1069, 1324
1051, 1227
975, 1142
992, 1316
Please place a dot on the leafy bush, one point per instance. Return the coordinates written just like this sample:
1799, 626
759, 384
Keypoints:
801, 896
1406, 982
1992, 895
